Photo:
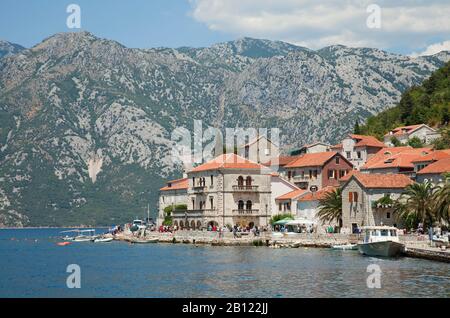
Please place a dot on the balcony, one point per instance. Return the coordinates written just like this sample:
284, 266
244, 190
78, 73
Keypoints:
193, 213
245, 188
199, 189
243, 212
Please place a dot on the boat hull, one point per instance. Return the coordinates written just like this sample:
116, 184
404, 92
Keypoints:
384, 249
347, 247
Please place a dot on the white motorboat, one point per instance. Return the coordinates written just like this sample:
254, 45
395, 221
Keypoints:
103, 239
345, 247
80, 235
381, 241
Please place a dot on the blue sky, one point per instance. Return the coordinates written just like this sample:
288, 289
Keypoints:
407, 27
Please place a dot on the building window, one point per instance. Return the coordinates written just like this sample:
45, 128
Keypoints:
240, 181
280, 207
249, 205
358, 154
289, 174
248, 181
212, 180
193, 204
338, 160
349, 155
211, 201
331, 174
388, 215
353, 197
241, 205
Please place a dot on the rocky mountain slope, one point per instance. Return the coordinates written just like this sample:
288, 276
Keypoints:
85, 123
8, 48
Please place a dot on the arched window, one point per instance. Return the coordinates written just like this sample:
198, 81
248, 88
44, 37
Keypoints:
175, 223
199, 225
249, 205
193, 225
240, 181
241, 205
248, 181
181, 225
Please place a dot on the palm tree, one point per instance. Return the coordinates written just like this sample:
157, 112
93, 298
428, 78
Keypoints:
416, 204
330, 207
442, 200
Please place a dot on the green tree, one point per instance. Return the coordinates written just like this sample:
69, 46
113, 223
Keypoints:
330, 207
395, 142
415, 142
357, 129
442, 200
415, 205
279, 217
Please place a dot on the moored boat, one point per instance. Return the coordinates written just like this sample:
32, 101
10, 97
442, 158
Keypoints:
103, 239
381, 241
143, 241
345, 247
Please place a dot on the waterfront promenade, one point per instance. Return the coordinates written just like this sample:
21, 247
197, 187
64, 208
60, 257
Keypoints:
416, 246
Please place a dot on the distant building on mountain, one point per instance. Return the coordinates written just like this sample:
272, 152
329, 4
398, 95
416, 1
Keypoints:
425, 133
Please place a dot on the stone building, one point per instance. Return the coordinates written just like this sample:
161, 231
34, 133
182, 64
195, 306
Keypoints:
227, 190
434, 172
358, 149
175, 193
361, 194
321, 169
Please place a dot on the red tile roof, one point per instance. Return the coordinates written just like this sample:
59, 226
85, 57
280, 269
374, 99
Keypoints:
291, 195
367, 141
179, 184
338, 146
282, 161
395, 157
437, 167
382, 181
434, 156
399, 131
317, 195
228, 161
312, 159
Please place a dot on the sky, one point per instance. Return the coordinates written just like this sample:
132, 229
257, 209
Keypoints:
413, 27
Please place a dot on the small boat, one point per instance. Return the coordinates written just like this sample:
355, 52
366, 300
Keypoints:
345, 247
63, 243
103, 239
80, 235
143, 241
381, 241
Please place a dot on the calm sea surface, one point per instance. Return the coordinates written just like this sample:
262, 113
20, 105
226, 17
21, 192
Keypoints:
32, 265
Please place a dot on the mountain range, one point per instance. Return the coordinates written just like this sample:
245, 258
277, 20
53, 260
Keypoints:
86, 123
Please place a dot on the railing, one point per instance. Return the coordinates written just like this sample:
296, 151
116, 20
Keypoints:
245, 212
199, 188
192, 213
245, 188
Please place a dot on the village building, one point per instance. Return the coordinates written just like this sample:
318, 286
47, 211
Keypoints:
308, 208
358, 149
395, 160
227, 190
321, 170
279, 187
434, 172
287, 203
174, 194
259, 150
312, 148
367, 200
425, 133
278, 165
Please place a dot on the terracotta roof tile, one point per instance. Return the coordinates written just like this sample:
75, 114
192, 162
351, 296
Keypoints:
179, 184
367, 141
291, 195
434, 156
382, 181
312, 159
399, 131
437, 167
228, 161
310, 196
395, 157
282, 161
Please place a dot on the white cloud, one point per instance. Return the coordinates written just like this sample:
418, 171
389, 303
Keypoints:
434, 48
404, 24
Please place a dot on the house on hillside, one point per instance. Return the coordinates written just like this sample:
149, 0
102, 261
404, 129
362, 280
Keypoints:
425, 133
367, 200
358, 149
320, 169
